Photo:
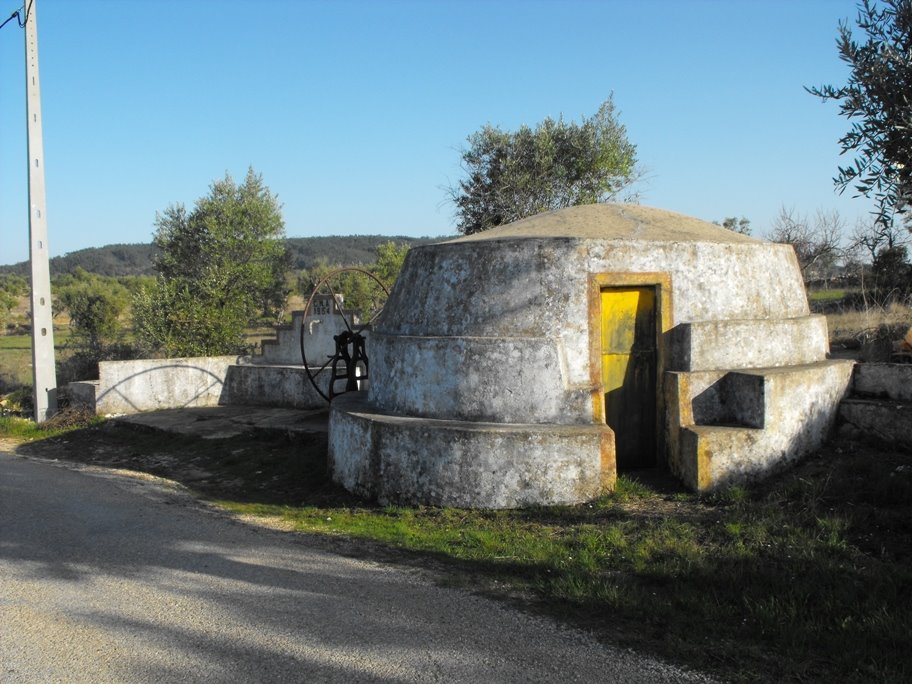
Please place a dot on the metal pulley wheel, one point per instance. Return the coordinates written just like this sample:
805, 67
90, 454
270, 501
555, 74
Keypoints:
347, 368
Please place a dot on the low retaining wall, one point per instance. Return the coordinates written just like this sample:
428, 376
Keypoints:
261, 385
883, 380
881, 406
153, 384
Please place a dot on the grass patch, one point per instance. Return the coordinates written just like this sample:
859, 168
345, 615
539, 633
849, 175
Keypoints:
804, 578
16, 357
14, 427
807, 578
827, 295
8, 342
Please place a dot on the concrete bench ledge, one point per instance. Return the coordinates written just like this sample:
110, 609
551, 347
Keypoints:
465, 463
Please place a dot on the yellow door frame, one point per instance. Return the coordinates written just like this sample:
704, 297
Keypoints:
662, 284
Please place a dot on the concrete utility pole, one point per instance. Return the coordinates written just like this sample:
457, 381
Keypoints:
44, 374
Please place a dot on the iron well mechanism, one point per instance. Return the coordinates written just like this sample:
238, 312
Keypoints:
349, 362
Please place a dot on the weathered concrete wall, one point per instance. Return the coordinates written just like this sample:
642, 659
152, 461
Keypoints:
471, 326
285, 349
886, 380
535, 287
880, 406
259, 385
83, 393
799, 406
151, 384
489, 379
394, 459
708, 345
887, 421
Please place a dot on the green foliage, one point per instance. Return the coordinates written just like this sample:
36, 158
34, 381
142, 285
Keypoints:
122, 261
892, 274
274, 297
341, 250
390, 258
170, 317
511, 175
111, 260
95, 305
629, 488
218, 266
876, 100
12, 288
742, 225
360, 292
19, 428
309, 278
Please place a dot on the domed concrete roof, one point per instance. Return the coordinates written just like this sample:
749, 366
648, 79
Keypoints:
613, 222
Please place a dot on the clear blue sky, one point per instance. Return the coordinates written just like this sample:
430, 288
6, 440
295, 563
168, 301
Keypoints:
354, 111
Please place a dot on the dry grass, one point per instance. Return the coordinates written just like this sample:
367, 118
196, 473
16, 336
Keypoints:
871, 332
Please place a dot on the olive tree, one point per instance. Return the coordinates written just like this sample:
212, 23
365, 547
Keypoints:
217, 266
514, 174
12, 289
876, 100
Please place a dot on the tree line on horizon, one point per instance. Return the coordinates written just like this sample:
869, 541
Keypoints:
138, 259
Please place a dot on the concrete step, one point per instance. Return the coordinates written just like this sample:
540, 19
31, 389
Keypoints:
738, 344
725, 427
706, 452
883, 380
285, 348
883, 419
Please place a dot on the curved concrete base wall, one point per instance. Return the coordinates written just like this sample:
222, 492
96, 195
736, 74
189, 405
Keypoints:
394, 459
487, 379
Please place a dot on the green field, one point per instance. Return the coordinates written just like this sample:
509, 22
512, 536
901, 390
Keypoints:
16, 358
827, 295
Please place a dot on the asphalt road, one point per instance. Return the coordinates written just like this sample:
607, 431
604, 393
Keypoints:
106, 578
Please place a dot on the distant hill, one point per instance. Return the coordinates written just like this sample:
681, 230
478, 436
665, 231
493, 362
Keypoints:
122, 260
343, 249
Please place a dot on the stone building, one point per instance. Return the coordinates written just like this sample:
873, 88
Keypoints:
527, 364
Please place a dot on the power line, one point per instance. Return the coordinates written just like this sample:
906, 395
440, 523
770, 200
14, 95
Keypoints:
18, 16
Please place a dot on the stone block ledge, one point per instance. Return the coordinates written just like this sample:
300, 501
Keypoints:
886, 421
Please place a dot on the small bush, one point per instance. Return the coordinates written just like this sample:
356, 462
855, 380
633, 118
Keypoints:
18, 402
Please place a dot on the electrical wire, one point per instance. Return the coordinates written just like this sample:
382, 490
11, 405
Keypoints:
18, 16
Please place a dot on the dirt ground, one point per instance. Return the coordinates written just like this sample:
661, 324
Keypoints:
254, 468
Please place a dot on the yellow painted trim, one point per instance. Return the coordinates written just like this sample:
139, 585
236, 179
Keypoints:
664, 323
704, 466
608, 461
685, 405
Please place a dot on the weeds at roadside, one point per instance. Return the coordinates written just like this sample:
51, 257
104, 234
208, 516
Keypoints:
67, 420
